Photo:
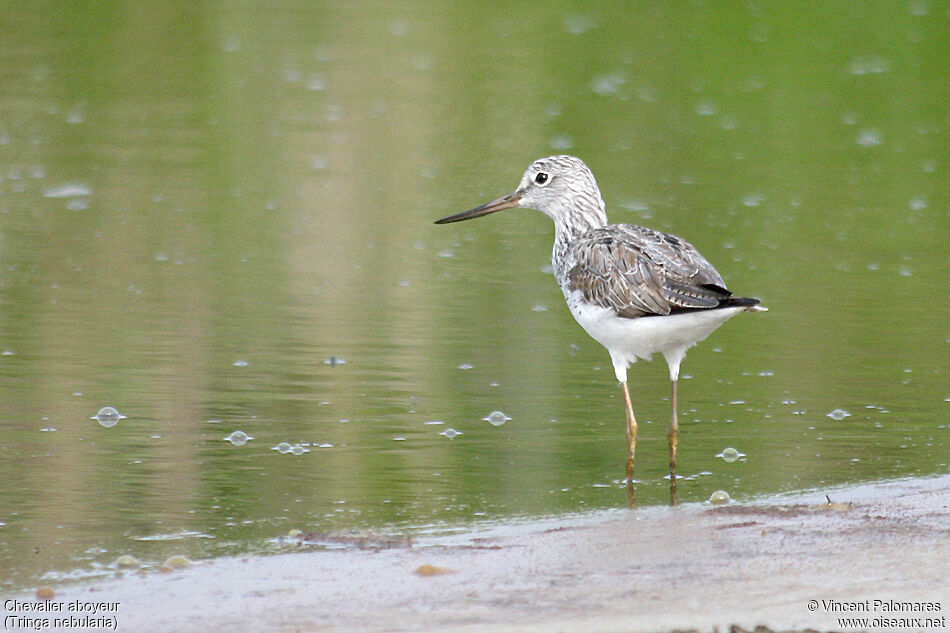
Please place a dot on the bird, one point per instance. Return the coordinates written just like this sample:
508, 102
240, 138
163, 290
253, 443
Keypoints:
635, 290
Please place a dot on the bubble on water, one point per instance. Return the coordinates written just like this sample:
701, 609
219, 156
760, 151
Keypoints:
918, 203
127, 561
730, 455
333, 361
766, 373
399, 27
422, 62
838, 414
868, 65
753, 200
67, 190
316, 83
240, 363
870, 138
297, 449
466, 366
539, 307
177, 562
108, 417
729, 123
496, 418
706, 108
562, 142
283, 447
635, 204
720, 497
450, 433
435, 422
239, 438
576, 24
77, 204
608, 84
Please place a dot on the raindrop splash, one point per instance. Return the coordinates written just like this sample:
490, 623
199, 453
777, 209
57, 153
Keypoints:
108, 417
720, 497
730, 455
127, 561
239, 438
67, 190
496, 418
870, 138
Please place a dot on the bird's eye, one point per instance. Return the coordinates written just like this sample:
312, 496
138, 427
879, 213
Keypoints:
541, 178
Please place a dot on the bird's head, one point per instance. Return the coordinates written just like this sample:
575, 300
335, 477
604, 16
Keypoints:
562, 187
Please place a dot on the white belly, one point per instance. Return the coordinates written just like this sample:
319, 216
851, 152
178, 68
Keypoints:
630, 339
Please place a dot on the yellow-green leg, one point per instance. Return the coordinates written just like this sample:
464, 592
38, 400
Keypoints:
631, 431
673, 435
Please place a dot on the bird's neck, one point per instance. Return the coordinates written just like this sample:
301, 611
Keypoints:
573, 223
582, 216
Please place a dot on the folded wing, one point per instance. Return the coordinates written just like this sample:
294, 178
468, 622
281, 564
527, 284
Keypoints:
638, 272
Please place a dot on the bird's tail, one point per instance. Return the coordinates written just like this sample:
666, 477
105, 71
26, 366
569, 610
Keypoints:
749, 303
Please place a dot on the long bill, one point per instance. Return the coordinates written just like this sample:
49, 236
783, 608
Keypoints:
505, 202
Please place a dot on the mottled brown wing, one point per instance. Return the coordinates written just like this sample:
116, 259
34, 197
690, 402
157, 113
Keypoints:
637, 271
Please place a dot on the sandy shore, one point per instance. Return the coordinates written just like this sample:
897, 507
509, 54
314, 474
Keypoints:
655, 569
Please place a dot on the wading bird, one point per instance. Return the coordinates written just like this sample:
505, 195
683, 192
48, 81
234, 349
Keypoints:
635, 290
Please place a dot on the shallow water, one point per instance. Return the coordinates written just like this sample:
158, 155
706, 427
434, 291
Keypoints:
221, 221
